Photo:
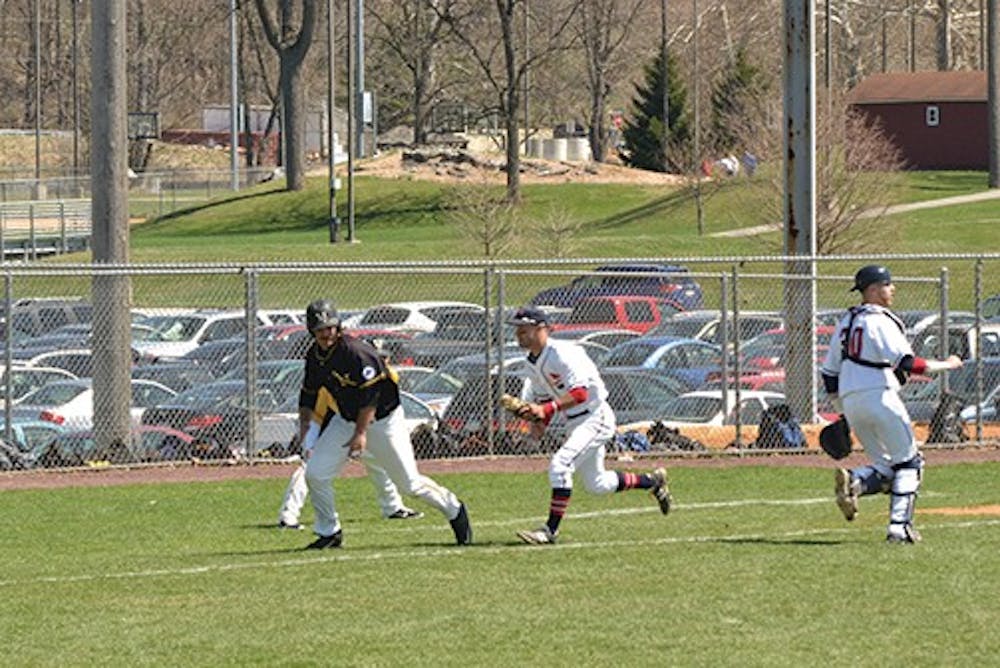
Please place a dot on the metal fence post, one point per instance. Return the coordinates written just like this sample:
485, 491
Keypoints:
737, 390
250, 282
31, 230
8, 344
62, 225
488, 278
980, 389
943, 325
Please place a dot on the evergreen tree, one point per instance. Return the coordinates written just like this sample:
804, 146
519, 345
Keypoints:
738, 100
643, 132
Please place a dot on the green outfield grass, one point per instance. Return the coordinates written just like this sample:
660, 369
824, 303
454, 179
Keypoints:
755, 567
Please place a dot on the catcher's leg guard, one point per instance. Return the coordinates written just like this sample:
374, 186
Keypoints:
905, 486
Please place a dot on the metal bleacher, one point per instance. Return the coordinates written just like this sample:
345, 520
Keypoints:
33, 229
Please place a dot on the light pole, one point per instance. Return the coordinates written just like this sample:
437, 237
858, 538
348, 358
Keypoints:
38, 98
234, 141
76, 93
334, 221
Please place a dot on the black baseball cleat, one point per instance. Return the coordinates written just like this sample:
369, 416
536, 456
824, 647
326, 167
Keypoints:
405, 514
325, 542
460, 525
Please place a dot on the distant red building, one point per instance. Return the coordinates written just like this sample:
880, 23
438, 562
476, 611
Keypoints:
938, 120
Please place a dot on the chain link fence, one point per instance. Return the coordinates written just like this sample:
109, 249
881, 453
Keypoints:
699, 355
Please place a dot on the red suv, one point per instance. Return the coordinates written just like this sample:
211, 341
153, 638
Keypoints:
637, 313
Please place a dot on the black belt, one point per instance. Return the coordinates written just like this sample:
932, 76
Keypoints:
580, 414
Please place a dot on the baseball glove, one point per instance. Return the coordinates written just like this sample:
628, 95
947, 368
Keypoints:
835, 438
517, 407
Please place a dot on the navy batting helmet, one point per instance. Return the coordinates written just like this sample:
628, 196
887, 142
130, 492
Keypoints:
872, 273
321, 313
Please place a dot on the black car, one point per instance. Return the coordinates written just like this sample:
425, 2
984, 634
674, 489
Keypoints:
457, 334
216, 413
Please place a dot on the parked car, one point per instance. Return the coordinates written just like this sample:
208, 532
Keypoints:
961, 341
475, 411
214, 414
705, 408
663, 281
990, 307
283, 376
706, 325
27, 436
184, 332
146, 444
417, 316
639, 394
26, 379
37, 316
922, 399
767, 351
411, 376
71, 402
175, 375
604, 337
458, 333
635, 312
277, 431
77, 361
917, 321
688, 360
439, 388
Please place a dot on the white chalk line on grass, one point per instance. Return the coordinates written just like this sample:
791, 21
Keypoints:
455, 551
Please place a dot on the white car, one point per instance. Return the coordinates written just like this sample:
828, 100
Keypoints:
27, 379
183, 332
70, 403
276, 430
705, 408
407, 316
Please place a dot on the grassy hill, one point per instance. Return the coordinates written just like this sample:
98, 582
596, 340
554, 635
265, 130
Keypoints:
400, 219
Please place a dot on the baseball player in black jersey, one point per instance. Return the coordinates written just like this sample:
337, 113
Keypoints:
349, 373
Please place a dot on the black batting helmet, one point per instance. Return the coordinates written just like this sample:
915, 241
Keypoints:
321, 313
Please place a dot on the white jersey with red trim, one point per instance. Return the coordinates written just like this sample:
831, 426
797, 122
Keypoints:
561, 366
876, 336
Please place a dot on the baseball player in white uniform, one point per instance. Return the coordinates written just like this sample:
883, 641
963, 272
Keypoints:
389, 500
869, 354
565, 380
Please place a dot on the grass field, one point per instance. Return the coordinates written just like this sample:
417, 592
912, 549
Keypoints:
755, 567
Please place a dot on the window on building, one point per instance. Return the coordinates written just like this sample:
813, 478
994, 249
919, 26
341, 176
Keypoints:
933, 115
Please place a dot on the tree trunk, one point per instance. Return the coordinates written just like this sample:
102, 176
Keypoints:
293, 125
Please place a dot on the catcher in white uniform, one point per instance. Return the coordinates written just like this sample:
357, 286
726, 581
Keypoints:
564, 379
868, 357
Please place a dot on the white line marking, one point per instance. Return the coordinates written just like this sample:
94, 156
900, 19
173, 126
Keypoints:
454, 551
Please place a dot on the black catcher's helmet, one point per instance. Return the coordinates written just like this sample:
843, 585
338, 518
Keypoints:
321, 313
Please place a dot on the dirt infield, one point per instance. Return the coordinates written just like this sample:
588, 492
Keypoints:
205, 472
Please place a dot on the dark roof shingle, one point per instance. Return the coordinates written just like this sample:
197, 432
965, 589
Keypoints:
901, 87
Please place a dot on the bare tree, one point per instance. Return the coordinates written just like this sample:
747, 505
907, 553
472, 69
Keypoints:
413, 31
857, 170
553, 234
289, 31
497, 48
483, 217
603, 27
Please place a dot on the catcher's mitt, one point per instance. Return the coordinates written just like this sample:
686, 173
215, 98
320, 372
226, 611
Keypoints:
835, 438
517, 407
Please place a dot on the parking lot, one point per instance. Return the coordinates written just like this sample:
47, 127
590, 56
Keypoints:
209, 384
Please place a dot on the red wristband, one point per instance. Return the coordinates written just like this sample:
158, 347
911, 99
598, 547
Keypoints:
550, 408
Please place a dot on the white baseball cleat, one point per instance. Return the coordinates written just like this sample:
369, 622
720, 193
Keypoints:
539, 536
847, 493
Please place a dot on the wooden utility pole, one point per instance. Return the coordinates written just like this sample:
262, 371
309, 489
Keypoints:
110, 290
